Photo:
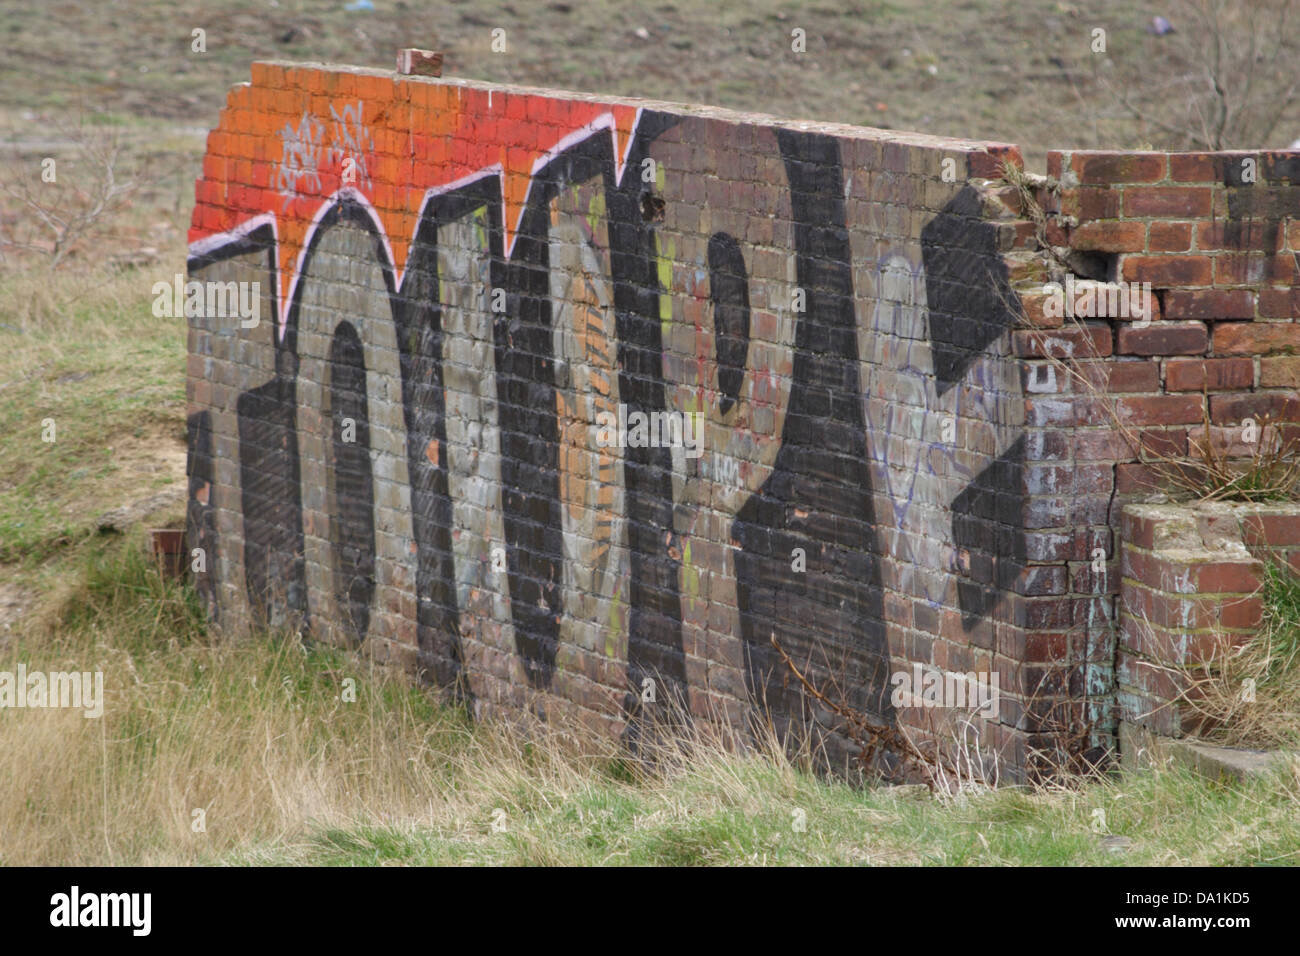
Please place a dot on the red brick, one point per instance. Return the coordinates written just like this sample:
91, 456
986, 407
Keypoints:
1256, 338
1139, 529
1253, 268
1170, 237
1090, 299
1101, 444
1048, 199
267, 75
1087, 203
1194, 375
1110, 235
1235, 235
1210, 304
1160, 409
1273, 529
988, 162
1008, 197
1196, 167
1035, 613
1071, 478
1163, 338
1121, 376
1281, 371
1226, 577
1165, 272
1279, 303
1160, 571
1045, 646
1243, 613
1186, 645
1060, 411
1033, 304
214, 167
1092, 341
1164, 442
1137, 479
1055, 163
1185, 202
1041, 579
1118, 167
1085, 580
1225, 441
1023, 235
1281, 406
1184, 614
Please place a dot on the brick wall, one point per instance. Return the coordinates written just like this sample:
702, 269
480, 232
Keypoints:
1190, 583
459, 284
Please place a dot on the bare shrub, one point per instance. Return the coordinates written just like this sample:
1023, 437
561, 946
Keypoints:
60, 203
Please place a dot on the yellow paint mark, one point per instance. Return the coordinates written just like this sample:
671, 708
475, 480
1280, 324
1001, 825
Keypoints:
665, 270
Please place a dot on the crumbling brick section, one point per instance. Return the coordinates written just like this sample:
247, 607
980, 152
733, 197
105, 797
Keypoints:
1212, 346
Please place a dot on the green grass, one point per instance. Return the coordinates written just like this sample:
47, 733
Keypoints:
1281, 597
1172, 818
87, 354
255, 732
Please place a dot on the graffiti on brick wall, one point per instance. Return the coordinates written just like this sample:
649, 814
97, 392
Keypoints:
407, 455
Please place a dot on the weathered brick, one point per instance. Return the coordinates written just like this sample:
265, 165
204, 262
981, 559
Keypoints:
1253, 268
1195, 168
1110, 235
1160, 409
1165, 272
1091, 341
1169, 237
1163, 338
1181, 202
1035, 307
1236, 235
1118, 167
1279, 303
1279, 406
1209, 304
1194, 375
1122, 375
1256, 338
1086, 203
1281, 371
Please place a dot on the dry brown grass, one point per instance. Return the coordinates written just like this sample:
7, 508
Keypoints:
1248, 694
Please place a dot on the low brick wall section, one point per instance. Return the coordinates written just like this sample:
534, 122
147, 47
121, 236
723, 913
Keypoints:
1190, 579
